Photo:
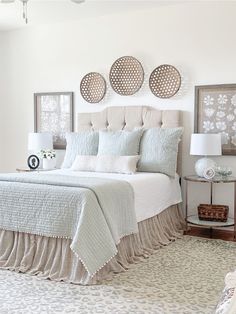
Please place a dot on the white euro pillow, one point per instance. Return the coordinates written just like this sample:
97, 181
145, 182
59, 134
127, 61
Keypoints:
106, 163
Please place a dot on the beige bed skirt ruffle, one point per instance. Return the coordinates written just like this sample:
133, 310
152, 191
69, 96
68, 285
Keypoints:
52, 258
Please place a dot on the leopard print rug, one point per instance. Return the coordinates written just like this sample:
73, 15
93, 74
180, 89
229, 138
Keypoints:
182, 278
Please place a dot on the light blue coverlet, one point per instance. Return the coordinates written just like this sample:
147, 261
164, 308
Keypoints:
94, 212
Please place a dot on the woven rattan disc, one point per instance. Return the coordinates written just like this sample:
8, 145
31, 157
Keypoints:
165, 81
126, 76
93, 87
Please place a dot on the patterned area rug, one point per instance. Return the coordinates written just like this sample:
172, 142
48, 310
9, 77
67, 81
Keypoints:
182, 278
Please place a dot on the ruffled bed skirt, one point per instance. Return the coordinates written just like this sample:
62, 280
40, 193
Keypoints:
52, 258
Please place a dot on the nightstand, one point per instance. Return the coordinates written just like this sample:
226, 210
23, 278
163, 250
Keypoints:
193, 219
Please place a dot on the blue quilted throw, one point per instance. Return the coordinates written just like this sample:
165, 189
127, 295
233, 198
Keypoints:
95, 213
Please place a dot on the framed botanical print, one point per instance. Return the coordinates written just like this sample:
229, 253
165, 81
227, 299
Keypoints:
215, 112
53, 112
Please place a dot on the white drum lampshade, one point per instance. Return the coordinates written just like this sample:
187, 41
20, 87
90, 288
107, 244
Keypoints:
38, 141
205, 145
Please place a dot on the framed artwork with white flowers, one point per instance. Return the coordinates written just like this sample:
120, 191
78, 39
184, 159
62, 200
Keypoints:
215, 112
53, 112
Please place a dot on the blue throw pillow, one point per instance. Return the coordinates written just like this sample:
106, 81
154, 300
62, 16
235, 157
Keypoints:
120, 143
159, 150
81, 143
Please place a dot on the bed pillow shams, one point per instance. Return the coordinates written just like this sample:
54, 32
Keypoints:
81, 143
120, 143
106, 163
159, 150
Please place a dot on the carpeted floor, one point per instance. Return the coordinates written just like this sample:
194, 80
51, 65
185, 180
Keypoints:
184, 277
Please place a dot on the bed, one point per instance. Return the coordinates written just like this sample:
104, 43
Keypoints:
58, 256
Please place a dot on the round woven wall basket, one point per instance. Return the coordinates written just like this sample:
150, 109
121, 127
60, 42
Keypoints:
165, 81
93, 87
126, 76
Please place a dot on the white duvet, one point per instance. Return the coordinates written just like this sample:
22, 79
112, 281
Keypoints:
154, 192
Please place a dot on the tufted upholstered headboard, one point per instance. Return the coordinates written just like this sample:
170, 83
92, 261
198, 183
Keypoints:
128, 118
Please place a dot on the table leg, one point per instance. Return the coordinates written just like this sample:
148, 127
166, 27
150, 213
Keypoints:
211, 192
211, 232
234, 211
211, 200
186, 205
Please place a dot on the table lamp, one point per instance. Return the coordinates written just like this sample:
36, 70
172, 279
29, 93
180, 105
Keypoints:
38, 141
205, 145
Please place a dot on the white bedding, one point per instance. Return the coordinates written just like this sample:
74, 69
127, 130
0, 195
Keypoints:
154, 192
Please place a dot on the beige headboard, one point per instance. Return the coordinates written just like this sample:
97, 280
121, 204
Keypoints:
128, 118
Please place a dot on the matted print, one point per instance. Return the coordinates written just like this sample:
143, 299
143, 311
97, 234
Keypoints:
54, 113
215, 112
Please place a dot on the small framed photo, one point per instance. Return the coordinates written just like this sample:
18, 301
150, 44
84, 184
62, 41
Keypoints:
33, 162
215, 112
54, 112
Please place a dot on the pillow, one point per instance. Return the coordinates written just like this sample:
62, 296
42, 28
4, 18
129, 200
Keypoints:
117, 164
84, 163
81, 143
106, 163
120, 143
159, 149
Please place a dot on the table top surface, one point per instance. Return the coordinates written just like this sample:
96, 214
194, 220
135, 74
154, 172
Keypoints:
193, 219
216, 179
25, 169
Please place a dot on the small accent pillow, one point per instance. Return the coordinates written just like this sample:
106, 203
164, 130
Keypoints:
120, 143
106, 163
84, 163
81, 143
159, 149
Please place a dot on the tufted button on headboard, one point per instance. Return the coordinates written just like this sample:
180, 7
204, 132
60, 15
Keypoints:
129, 118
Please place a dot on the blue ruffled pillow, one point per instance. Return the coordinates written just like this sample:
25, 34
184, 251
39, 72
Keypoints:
120, 143
81, 143
159, 150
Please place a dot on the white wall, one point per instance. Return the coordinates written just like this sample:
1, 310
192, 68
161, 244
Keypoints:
1, 96
198, 38
3, 75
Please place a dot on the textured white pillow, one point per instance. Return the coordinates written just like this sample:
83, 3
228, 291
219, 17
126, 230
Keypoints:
106, 163
117, 164
84, 163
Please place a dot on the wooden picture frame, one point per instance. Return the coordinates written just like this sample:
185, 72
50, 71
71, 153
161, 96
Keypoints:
54, 112
215, 112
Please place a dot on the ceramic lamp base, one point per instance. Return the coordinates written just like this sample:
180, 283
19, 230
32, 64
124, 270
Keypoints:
202, 164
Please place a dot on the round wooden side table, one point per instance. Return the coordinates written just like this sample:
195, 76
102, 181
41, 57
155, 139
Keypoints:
193, 219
